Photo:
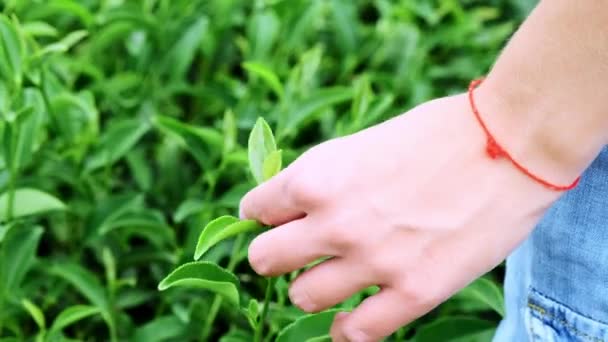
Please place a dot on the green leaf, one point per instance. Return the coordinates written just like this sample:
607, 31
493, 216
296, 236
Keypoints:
118, 140
486, 292
261, 144
267, 75
11, 52
182, 54
39, 29
61, 46
252, 313
160, 329
308, 327
272, 164
204, 275
17, 255
253, 309
84, 281
30, 127
321, 99
199, 141
455, 329
149, 224
188, 208
220, 229
29, 202
72, 315
35, 312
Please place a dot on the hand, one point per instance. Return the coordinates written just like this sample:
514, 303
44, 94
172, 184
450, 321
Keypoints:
413, 205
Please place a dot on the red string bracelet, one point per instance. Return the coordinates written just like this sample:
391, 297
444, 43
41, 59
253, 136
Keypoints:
495, 151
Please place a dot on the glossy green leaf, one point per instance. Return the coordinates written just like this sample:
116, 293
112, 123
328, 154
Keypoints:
252, 312
261, 144
30, 127
199, 141
183, 52
84, 281
273, 164
455, 329
321, 99
265, 74
18, 251
11, 51
486, 292
29, 202
220, 229
160, 329
73, 315
188, 208
204, 275
39, 29
117, 142
61, 46
308, 327
35, 312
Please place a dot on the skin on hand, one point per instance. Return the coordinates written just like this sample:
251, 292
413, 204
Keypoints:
413, 205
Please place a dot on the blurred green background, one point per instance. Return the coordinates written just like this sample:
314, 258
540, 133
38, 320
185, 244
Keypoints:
123, 127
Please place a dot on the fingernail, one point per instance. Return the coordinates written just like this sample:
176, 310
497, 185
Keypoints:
300, 299
356, 335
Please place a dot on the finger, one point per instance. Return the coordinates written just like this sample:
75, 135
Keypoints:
377, 317
270, 202
288, 247
327, 284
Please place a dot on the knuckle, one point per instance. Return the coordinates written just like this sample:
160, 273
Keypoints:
304, 187
420, 294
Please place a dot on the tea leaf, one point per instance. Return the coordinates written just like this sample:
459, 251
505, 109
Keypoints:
160, 329
321, 99
458, 329
308, 327
182, 53
35, 312
220, 229
267, 75
261, 144
187, 208
272, 164
486, 292
197, 140
18, 251
204, 275
72, 315
11, 51
116, 143
84, 281
61, 46
29, 202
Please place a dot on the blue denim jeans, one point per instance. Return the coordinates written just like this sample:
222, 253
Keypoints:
556, 288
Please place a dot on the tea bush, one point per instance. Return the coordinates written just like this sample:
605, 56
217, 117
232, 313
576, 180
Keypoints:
124, 130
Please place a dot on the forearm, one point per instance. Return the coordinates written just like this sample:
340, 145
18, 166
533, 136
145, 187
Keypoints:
547, 96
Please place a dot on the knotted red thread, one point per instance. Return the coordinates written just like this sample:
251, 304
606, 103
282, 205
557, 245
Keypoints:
495, 151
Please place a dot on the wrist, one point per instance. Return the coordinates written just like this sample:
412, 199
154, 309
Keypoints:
535, 133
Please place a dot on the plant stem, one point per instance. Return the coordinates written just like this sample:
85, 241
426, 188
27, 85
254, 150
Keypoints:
217, 300
260, 330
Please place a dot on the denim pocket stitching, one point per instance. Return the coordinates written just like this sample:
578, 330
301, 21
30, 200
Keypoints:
539, 310
541, 294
